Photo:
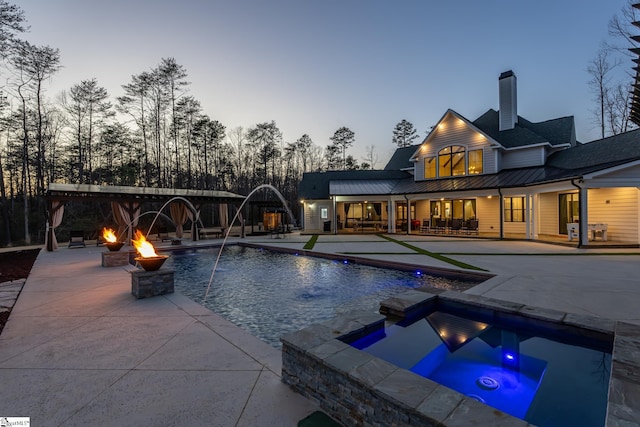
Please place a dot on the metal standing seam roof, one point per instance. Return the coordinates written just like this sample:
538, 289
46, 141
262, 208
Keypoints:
361, 187
75, 191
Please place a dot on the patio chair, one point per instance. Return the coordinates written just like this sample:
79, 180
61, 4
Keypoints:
426, 226
472, 226
76, 239
456, 226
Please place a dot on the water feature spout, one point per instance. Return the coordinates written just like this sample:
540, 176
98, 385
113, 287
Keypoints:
226, 234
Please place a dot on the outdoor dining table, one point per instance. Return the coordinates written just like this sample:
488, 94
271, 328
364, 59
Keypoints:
594, 229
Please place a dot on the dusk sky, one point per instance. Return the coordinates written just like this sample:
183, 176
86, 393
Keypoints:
314, 66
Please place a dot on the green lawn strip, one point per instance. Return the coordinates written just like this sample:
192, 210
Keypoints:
432, 254
311, 242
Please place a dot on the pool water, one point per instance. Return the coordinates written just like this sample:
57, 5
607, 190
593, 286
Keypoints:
546, 382
271, 293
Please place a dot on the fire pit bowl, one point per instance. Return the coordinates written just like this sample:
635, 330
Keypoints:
114, 246
151, 263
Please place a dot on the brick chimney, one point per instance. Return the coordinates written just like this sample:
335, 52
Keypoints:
508, 100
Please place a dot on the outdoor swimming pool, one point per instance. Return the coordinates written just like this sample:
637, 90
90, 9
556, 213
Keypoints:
271, 293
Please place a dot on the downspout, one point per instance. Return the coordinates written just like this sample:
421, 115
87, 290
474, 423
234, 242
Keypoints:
582, 222
501, 209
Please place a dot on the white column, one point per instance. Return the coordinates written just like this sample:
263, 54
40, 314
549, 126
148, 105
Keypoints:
535, 212
527, 216
584, 217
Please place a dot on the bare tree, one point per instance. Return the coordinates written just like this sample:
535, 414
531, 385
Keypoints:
600, 69
371, 157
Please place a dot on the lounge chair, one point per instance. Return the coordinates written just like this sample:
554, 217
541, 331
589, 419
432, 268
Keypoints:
76, 239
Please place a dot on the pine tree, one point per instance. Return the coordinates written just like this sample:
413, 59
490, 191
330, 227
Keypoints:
404, 134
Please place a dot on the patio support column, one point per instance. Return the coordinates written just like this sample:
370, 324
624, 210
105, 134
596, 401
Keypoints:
501, 210
49, 227
391, 212
583, 239
527, 216
535, 214
335, 216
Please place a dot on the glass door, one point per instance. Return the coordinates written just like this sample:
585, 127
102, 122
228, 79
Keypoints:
568, 210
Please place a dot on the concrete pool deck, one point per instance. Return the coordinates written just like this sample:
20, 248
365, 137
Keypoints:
79, 349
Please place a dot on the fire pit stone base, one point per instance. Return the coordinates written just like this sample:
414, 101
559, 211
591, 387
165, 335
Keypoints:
115, 259
145, 284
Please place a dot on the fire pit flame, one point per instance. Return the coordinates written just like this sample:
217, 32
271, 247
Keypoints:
148, 258
109, 235
142, 245
110, 239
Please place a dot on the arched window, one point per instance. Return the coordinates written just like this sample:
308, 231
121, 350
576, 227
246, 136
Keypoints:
451, 161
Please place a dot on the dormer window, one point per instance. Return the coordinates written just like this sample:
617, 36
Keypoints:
451, 161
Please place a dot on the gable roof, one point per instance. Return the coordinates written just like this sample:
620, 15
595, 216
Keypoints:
556, 132
401, 158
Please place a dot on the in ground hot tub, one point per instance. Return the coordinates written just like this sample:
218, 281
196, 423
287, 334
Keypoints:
460, 359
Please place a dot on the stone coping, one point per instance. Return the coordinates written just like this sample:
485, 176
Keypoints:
413, 397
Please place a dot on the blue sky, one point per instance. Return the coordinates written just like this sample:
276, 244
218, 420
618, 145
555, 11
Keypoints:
314, 66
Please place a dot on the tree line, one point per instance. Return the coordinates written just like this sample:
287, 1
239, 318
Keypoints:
155, 134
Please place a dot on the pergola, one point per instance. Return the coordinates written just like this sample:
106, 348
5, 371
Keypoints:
126, 204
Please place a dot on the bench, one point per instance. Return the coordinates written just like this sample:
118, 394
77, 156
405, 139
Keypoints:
215, 233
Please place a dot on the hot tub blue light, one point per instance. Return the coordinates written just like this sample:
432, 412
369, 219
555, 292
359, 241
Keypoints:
542, 381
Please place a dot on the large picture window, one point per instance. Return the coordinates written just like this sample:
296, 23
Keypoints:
514, 209
451, 161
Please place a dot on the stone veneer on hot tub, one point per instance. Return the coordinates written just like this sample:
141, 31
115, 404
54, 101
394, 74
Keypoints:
357, 388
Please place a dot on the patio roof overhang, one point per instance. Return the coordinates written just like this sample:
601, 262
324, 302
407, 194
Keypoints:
58, 191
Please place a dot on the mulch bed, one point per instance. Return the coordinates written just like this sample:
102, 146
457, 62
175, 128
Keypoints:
13, 266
